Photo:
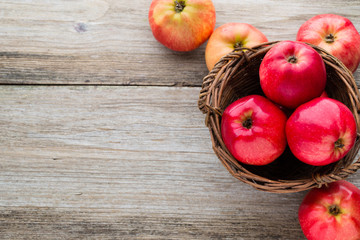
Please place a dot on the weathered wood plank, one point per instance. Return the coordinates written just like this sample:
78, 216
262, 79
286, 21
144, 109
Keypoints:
109, 42
123, 162
86, 223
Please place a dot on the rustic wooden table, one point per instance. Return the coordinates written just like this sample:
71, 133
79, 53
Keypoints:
101, 137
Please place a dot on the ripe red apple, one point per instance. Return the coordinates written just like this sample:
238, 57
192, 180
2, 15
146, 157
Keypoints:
292, 73
229, 36
336, 34
182, 25
253, 130
321, 131
331, 212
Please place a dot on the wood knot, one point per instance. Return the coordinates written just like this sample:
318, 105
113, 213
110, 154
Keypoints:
81, 27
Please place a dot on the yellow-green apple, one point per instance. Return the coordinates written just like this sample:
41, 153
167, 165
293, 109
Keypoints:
336, 34
321, 131
253, 130
331, 212
182, 25
229, 36
292, 73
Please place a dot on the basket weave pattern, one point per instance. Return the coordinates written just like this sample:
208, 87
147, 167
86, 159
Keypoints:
237, 75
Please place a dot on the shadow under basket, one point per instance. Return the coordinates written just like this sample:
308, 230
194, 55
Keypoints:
237, 75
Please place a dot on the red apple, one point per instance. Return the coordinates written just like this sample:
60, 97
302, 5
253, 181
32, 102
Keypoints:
321, 131
182, 25
228, 37
253, 130
336, 34
331, 212
292, 73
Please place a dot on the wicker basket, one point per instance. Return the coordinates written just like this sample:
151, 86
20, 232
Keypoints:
237, 75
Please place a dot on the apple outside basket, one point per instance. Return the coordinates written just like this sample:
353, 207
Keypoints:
237, 75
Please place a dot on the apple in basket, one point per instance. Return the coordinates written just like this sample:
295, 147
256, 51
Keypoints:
253, 130
336, 34
321, 131
292, 73
229, 36
182, 25
331, 212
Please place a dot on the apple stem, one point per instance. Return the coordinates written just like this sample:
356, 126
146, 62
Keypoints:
334, 210
247, 123
292, 59
330, 38
238, 45
179, 6
339, 143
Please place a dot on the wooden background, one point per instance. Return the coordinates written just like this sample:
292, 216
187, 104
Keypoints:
100, 134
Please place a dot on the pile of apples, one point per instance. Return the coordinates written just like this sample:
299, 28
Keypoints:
319, 130
294, 111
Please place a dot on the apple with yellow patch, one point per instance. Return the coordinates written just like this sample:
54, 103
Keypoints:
331, 212
182, 25
228, 37
336, 34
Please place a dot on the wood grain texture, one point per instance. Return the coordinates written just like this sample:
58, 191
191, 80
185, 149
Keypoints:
123, 163
133, 159
109, 42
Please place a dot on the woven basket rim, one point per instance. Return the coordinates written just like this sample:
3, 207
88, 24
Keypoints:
212, 90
